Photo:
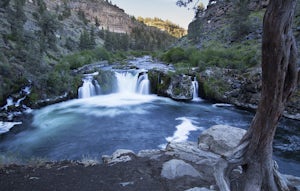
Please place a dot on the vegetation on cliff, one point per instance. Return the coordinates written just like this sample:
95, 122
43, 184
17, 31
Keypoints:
41, 42
168, 26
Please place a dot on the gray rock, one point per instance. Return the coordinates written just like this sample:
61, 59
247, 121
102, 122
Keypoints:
189, 151
177, 168
152, 154
199, 189
220, 138
294, 181
120, 155
180, 88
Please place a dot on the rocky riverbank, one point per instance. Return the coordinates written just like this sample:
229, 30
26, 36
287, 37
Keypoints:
181, 166
241, 88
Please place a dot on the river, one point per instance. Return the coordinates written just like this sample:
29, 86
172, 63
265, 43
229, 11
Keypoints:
97, 125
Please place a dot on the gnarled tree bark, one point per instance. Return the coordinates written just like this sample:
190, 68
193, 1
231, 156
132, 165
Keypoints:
279, 80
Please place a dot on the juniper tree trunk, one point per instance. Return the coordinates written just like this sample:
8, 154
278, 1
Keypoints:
279, 80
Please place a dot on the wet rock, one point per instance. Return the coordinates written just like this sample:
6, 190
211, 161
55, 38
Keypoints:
220, 138
178, 168
180, 88
177, 87
159, 82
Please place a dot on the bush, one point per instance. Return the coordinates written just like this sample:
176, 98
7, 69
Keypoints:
174, 55
237, 56
82, 58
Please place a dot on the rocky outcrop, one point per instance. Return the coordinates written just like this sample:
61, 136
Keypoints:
120, 155
186, 165
180, 88
214, 22
220, 139
110, 17
168, 84
241, 89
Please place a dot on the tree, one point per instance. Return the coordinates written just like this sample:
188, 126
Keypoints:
279, 80
92, 40
49, 25
84, 40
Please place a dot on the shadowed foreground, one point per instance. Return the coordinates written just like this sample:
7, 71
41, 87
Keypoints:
139, 174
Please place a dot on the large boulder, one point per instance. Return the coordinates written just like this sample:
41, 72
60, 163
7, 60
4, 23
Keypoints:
180, 88
220, 139
190, 152
168, 84
178, 168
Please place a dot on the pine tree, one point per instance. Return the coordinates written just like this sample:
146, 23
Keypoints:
84, 40
92, 40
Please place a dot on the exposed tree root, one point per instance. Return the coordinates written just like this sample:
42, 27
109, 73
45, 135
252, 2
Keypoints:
250, 179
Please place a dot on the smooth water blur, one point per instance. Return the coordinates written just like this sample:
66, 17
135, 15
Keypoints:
99, 125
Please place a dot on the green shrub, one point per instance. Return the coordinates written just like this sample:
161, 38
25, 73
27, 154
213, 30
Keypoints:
237, 56
174, 55
102, 54
214, 88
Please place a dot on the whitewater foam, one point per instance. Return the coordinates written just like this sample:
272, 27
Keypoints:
183, 130
6, 126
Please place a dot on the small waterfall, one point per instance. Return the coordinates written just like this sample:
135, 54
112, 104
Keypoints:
143, 84
133, 82
195, 90
127, 81
10, 101
89, 88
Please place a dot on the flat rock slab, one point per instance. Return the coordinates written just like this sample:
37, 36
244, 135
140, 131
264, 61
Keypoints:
178, 168
220, 138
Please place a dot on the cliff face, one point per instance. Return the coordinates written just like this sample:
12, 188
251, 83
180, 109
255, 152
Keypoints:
110, 17
215, 23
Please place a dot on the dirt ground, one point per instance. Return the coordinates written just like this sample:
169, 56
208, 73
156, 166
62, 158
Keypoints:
140, 174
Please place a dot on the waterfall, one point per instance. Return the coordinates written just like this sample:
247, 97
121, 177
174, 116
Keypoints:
126, 81
195, 90
132, 82
89, 88
143, 84
11, 102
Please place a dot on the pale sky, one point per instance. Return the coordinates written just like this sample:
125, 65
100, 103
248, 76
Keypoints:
163, 9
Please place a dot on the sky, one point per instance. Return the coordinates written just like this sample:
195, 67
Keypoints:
163, 9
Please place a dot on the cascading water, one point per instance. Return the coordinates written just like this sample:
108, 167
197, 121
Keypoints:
126, 81
133, 82
89, 88
195, 90
143, 85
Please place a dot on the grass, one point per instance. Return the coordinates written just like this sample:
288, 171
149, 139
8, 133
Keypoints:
213, 54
